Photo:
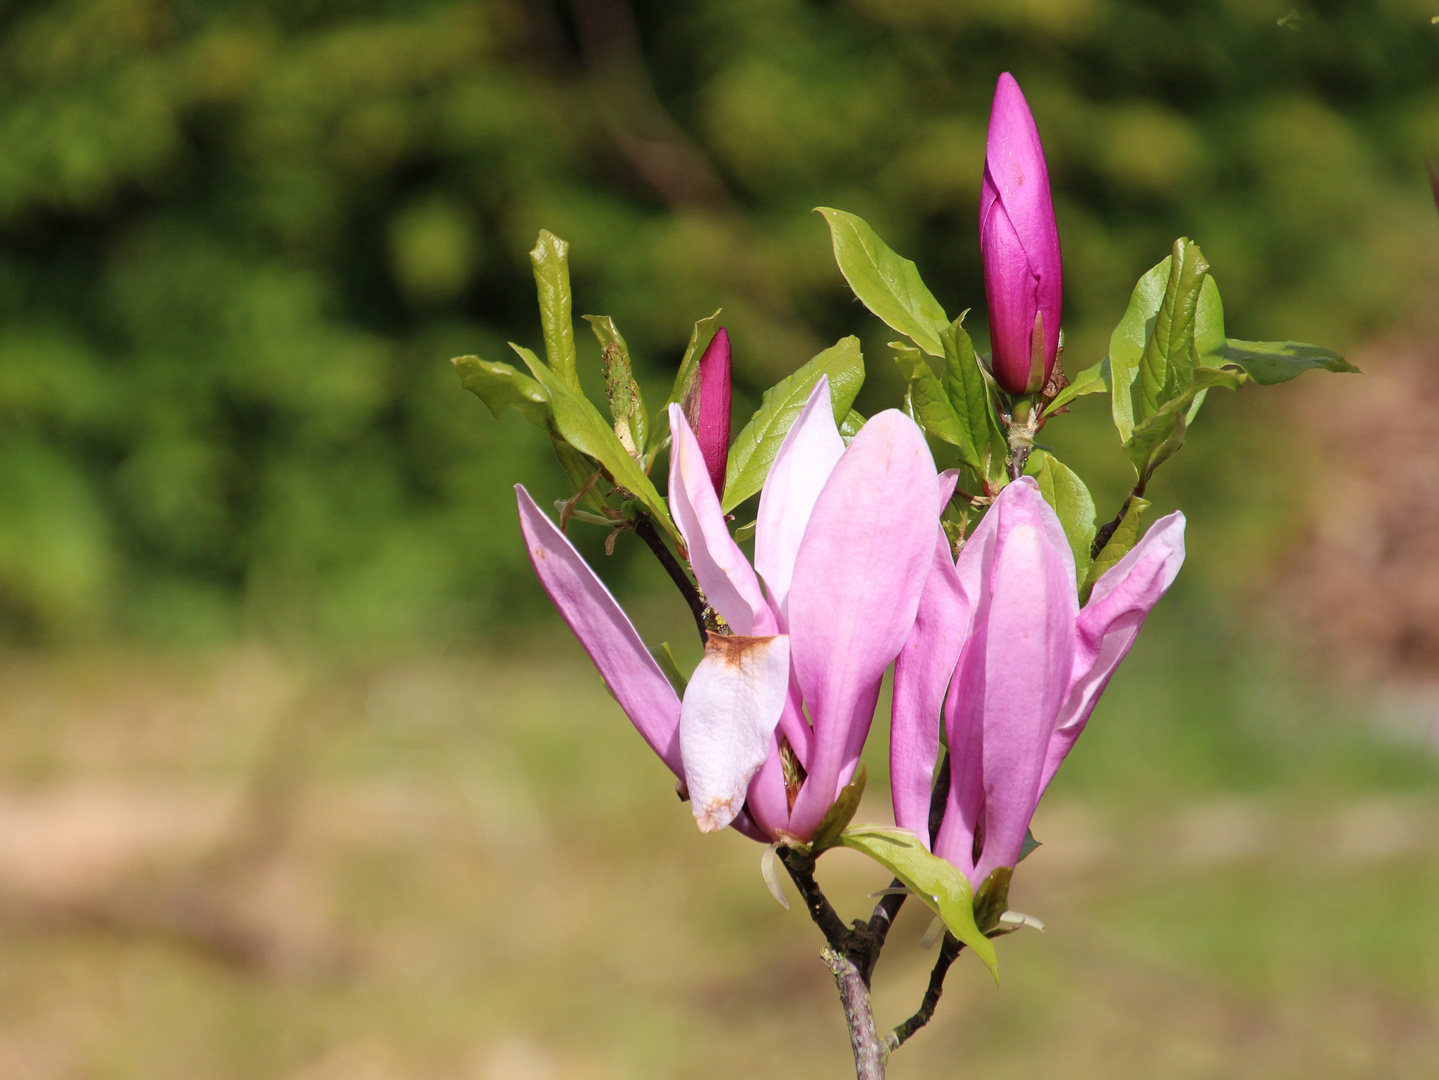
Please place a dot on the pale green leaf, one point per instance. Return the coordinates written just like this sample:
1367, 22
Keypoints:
1270, 362
501, 387
755, 446
1092, 380
551, 263
1120, 543
884, 282
580, 424
666, 660
627, 404
850, 425
938, 884
971, 395
1127, 343
837, 818
1169, 354
1070, 499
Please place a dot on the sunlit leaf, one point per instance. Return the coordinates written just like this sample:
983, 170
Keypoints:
1120, 543
942, 888
971, 395
840, 813
666, 660
501, 387
886, 283
550, 260
580, 424
755, 446
627, 404
1156, 439
1066, 494
1092, 380
1127, 344
1169, 353
1270, 362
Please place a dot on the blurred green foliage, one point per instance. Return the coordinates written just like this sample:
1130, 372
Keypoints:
239, 242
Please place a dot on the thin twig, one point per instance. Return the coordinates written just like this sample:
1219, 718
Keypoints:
645, 530
948, 953
801, 872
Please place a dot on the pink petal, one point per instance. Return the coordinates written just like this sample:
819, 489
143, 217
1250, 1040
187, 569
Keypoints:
727, 721
922, 674
852, 601
606, 633
804, 461
1110, 622
1013, 678
720, 567
767, 801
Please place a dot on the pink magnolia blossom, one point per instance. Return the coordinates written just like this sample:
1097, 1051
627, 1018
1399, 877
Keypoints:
1023, 665
843, 543
1019, 242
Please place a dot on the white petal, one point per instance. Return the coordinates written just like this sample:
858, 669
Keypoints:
727, 721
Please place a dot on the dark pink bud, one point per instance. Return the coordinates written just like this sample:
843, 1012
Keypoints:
1019, 241
707, 404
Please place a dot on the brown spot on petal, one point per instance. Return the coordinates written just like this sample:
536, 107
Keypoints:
733, 650
716, 814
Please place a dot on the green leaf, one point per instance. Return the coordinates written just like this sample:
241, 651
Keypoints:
992, 899
551, 262
941, 887
1157, 438
929, 403
581, 472
971, 395
666, 660
1121, 541
885, 283
754, 448
502, 387
1029, 847
1092, 380
850, 425
1071, 501
745, 531
1169, 354
837, 818
1127, 344
580, 424
627, 404
1270, 362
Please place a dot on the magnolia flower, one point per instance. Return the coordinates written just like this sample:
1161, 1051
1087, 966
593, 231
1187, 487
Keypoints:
1024, 666
1019, 242
843, 543
706, 406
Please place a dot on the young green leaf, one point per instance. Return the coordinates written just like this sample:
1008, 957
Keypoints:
886, 283
971, 395
929, 403
1092, 380
1169, 354
938, 884
837, 818
1124, 537
1070, 499
551, 263
850, 425
754, 448
1156, 439
1270, 362
1127, 343
627, 404
501, 387
992, 899
580, 424
666, 660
